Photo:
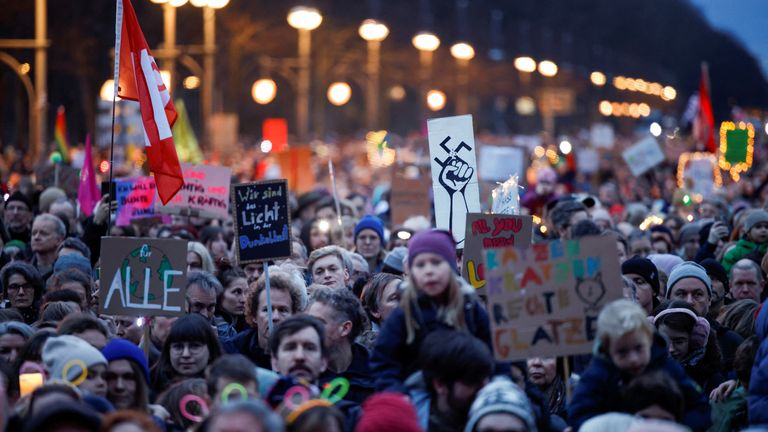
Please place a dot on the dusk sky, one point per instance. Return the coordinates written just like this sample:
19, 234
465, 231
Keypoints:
745, 19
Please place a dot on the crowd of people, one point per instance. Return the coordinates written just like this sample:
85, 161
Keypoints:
373, 328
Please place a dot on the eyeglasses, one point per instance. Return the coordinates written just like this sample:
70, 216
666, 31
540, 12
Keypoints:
16, 287
193, 347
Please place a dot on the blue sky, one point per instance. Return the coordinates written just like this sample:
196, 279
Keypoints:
745, 19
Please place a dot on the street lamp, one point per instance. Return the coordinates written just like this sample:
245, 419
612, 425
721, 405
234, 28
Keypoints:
436, 100
304, 19
525, 64
373, 32
264, 91
463, 53
339, 93
597, 78
426, 43
547, 68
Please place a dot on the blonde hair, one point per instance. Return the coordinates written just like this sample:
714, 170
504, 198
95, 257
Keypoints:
619, 318
205, 256
450, 313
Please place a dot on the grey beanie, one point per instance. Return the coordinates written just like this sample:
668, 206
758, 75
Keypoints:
395, 258
688, 269
755, 218
501, 396
70, 352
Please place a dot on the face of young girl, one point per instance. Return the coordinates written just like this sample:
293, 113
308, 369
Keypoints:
431, 273
96, 381
678, 341
631, 353
759, 232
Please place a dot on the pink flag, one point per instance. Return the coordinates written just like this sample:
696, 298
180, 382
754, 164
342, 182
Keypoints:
88, 194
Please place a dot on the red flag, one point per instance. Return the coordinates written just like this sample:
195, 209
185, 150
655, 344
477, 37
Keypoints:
140, 81
88, 192
705, 120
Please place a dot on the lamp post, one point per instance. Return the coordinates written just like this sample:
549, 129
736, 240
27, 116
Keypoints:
426, 43
304, 19
463, 53
373, 32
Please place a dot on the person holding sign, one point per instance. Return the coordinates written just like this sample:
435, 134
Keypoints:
434, 296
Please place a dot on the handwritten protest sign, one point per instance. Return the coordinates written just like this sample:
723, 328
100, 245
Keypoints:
136, 199
262, 221
205, 192
492, 231
454, 173
544, 300
497, 163
143, 276
643, 156
699, 173
409, 197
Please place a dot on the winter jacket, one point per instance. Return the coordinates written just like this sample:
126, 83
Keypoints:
702, 370
729, 342
731, 413
247, 343
599, 389
743, 248
393, 359
358, 374
758, 381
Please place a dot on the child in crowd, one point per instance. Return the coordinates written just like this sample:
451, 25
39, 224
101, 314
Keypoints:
626, 348
754, 239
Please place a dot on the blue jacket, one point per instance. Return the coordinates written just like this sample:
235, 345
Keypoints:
758, 381
599, 389
393, 360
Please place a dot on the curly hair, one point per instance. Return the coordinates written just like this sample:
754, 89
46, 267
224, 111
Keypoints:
280, 280
346, 306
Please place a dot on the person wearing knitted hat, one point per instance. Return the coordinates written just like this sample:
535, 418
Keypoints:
645, 275
369, 241
127, 375
434, 296
754, 239
18, 217
689, 241
377, 414
501, 405
74, 360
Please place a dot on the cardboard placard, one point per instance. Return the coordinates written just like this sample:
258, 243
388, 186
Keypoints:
643, 155
601, 135
492, 231
497, 163
136, 199
409, 197
205, 192
543, 301
262, 221
700, 173
143, 276
454, 173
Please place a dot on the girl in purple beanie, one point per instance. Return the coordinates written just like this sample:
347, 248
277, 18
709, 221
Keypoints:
434, 297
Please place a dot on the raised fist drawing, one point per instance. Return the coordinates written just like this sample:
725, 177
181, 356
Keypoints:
455, 174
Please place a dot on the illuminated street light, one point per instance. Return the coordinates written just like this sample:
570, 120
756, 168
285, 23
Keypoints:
107, 91
339, 93
304, 18
565, 147
177, 3
548, 68
372, 30
598, 78
668, 93
525, 64
525, 105
655, 129
436, 100
264, 91
462, 51
426, 41
605, 108
397, 93
191, 82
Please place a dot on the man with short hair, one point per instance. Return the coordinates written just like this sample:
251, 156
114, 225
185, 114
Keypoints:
298, 348
63, 209
746, 280
327, 267
202, 290
565, 214
18, 217
73, 245
359, 267
48, 231
344, 319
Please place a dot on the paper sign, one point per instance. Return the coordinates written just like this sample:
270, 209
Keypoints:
262, 221
587, 160
143, 276
492, 231
543, 301
700, 173
643, 156
497, 163
454, 173
205, 192
601, 135
136, 198
409, 197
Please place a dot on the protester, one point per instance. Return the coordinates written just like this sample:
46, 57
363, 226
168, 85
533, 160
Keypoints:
251, 415
298, 348
746, 280
654, 395
547, 373
48, 232
230, 304
565, 215
754, 239
124, 420
646, 277
74, 360
17, 216
127, 376
369, 241
327, 267
23, 288
86, 327
232, 371
74, 280
13, 336
381, 296
501, 405
191, 346
198, 258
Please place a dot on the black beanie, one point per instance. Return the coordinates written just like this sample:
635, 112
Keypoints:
643, 267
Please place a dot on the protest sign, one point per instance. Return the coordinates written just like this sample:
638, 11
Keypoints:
135, 198
544, 301
601, 135
587, 160
699, 173
59, 175
492, 231
643, 156
505, 198
143, 276
296, 166
262, 221
497, 163
409, 197
205, 192
454, 173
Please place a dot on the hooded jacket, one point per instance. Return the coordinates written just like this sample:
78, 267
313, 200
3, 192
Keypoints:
758, 381
599, 390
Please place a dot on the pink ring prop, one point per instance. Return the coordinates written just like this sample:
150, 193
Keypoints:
293, 391
188, 415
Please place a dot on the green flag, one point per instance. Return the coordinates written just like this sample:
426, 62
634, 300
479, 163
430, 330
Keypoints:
187, 146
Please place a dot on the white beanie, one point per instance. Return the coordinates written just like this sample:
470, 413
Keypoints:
66, 350
501, 396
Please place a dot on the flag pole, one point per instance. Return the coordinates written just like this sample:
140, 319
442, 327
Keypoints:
118, 37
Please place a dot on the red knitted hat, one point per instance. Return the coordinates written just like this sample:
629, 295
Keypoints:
385, 412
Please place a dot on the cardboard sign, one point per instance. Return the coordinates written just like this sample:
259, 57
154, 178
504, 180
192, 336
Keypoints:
497, 163
543, 301
699, 173
262, 221
136, 198
454, 173
143, 276
492, 231
409, 197
643, 156
601, 135
296, 166
205, 192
